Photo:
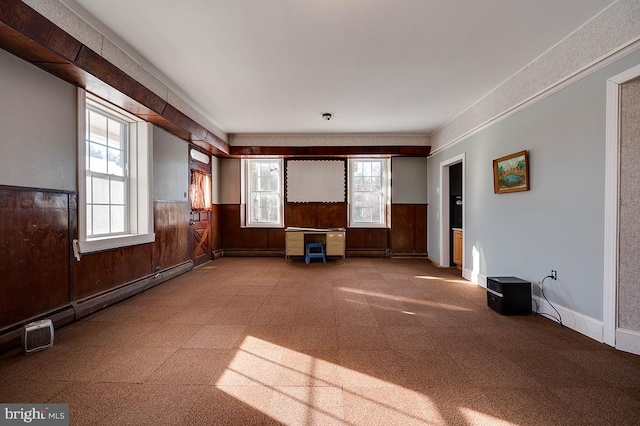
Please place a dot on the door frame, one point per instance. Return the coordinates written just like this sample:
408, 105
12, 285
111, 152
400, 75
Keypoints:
611, 334
445, 259
196, 164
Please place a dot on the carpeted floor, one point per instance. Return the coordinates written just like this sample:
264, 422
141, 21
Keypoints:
243, 341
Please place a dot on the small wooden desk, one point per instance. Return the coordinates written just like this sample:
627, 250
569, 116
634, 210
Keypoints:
332, 238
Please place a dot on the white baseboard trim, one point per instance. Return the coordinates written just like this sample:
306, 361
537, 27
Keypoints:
436, 262
628, 341
576, 321
475, 278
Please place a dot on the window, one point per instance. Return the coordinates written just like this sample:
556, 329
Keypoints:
114, 185
368, 192
200, 189
263, 190
106, 186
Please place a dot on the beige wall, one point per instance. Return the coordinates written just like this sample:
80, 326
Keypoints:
38, 119
170, 167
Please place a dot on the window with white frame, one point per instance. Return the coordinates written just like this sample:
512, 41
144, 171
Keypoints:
263, 192
115, 177
368, 192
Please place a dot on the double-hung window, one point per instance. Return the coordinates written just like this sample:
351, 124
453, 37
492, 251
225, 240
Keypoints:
368, 192
115, 177
106, 173
263, 192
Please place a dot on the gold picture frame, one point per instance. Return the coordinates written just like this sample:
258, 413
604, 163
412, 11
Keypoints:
511, 173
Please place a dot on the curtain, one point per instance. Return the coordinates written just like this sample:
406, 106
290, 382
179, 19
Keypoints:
200, 191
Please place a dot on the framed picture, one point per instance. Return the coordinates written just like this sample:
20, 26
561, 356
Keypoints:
511, 173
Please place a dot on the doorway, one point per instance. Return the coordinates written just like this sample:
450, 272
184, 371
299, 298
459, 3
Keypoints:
452, 211
200, 199
621, 317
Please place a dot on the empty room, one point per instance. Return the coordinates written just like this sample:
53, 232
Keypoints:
320, 212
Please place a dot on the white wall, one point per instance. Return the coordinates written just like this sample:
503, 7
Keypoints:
409, 180
170, 167
559, 223
37, 127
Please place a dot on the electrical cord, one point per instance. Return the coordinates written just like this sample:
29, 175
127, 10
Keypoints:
558, 319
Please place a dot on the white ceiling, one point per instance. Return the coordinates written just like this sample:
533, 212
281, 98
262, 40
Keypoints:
379, 66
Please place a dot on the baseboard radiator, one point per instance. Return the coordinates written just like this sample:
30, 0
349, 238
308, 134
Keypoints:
14, 335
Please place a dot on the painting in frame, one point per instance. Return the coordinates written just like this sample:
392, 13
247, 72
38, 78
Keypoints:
511, 173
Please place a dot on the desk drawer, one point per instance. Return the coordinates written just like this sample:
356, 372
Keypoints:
295, 251
295, 236
295, 247
295, 244
335, 250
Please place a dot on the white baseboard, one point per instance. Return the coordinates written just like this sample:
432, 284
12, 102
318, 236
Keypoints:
475, 278
576, 321
436, 262
628, 341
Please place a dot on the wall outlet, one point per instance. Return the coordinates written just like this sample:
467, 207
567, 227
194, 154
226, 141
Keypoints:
540, 285
554, 274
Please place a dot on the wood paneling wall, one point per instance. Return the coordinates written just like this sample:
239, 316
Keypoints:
102, 271
316, 215
408, 233
35, 244
215, 227
409, 229
38, 272
171, 225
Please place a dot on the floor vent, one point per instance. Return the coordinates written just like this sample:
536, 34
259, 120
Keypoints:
37, 336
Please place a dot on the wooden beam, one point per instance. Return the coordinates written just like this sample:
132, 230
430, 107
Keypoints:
329, 151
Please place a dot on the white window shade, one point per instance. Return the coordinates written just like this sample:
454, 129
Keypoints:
321, 181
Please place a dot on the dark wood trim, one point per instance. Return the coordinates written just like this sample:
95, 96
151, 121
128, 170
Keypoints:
96, 65
36, 27
367, 253
252, 253
329, 151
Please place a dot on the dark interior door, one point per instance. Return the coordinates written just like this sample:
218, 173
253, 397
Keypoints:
200, 199
200, 237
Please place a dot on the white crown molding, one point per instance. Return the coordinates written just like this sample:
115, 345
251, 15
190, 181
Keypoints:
607, 37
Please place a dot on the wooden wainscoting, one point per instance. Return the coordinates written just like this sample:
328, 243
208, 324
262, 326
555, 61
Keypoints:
235, 239
215, 228
40, 277
409, 229
367, 242
407, 236
171, 225
102, 271
316, 215
36, 244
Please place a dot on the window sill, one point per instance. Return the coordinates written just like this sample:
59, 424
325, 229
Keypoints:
264, 225
110, 243
369, 226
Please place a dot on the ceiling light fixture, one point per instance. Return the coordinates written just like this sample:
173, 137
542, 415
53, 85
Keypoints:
326, 116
